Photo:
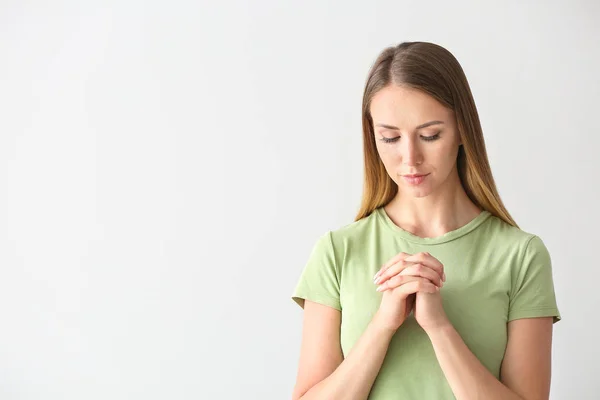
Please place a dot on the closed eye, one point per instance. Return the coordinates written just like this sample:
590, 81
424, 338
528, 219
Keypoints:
424, 138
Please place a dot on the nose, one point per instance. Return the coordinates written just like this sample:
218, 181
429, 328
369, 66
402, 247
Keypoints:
411, 153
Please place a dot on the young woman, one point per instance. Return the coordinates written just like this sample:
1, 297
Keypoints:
433, 292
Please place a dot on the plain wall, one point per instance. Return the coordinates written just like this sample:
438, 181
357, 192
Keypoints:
166, 167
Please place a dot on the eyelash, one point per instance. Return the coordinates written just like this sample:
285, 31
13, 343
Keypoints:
425, 138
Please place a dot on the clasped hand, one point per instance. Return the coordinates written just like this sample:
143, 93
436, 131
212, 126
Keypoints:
412, 283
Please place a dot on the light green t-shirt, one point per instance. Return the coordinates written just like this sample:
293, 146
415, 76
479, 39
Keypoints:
495, 273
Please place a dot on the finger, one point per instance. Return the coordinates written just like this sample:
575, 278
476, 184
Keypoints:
399, 280
428, 260
391, 262
425, 272
418, 285
394, 270
390, 271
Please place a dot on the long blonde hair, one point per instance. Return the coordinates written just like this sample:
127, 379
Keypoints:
435, 71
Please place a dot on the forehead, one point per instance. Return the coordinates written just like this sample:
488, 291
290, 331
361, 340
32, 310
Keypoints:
399, 104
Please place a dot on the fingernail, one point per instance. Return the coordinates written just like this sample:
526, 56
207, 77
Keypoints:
377, 280
380, 288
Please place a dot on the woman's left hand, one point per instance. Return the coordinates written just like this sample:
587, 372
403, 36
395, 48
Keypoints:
428, 310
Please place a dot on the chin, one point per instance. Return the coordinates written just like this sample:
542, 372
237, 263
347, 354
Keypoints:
416, 192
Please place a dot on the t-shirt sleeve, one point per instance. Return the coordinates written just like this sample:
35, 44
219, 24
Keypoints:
319, 280
532, 294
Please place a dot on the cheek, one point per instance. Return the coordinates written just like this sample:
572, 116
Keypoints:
389, 161
443, 162
388, 156
443, 154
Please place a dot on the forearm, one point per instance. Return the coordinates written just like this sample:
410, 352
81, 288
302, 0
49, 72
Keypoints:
354, 377
468, 378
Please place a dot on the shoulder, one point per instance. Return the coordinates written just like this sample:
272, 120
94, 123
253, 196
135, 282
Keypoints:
354, 235
504, 234
355, 232
517, 246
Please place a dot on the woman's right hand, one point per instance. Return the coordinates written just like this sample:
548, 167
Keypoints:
397, 303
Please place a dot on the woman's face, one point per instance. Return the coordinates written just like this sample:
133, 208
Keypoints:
415, 134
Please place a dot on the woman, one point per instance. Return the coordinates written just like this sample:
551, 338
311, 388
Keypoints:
433, 292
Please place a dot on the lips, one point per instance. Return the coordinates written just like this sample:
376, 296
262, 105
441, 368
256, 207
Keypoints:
414, 179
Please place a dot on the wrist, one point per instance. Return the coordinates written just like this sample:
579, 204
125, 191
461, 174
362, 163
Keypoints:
441, 329
380, 324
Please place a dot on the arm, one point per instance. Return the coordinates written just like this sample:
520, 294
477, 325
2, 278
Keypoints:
525, 371
323, 373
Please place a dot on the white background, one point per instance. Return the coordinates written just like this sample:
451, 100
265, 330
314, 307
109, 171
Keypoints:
166, 167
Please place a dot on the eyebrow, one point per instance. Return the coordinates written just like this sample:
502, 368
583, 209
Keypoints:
425, 125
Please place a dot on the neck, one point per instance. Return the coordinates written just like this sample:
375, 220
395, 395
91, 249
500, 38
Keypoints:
446, 209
